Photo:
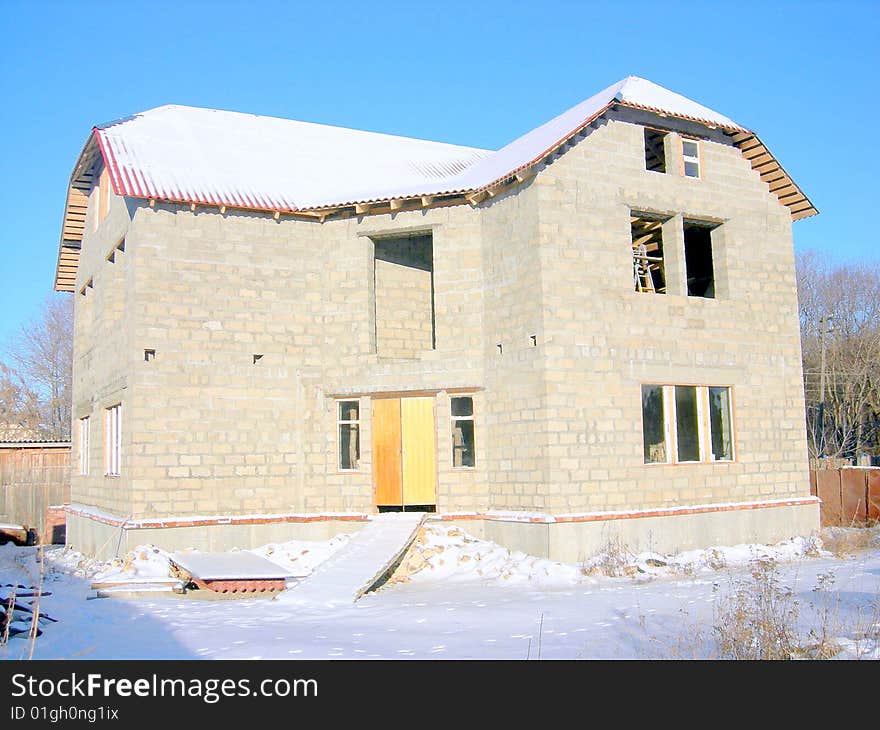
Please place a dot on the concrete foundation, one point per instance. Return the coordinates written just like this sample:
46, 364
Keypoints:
569, 540
105, 541
573, 542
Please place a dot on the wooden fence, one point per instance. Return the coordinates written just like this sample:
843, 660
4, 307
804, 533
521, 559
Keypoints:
850, 495
35, 476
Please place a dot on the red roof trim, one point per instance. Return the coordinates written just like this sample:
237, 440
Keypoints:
664, 113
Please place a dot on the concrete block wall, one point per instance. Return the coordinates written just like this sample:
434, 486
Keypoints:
214, 430
260, 326
603, 339
404, 296
103, 355
515, 409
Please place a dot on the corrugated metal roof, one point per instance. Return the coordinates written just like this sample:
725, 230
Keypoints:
534, 145
228, 158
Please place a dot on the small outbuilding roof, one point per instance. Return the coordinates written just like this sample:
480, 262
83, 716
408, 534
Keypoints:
230, 159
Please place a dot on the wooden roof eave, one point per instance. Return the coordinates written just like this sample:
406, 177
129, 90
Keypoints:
73, 222
771, 171
762, 160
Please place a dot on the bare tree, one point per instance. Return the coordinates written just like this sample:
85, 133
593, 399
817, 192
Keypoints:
840, 340
19, 408
40, 360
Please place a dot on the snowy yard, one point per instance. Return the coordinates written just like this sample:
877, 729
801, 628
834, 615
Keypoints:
458, 597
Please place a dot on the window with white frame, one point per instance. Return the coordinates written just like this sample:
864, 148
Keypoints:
463, 451
84, 429
686, 424
690, 153
348, 430
112, 440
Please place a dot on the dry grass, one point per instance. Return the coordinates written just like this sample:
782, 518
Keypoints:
614, 560
757, 618
844, 542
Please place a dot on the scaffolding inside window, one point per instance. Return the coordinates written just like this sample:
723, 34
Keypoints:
649, 272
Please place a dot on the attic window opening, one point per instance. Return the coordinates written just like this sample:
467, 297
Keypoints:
649, 271
698, 259
655, 150
690, 153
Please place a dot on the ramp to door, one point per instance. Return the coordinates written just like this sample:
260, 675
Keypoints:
353, 570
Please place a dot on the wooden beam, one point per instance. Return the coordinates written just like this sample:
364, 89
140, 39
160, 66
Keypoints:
761, 158
750, 144
774, 176
362, 208
396, 203
783, 191
802, 206
427, 200
768, 166
646, 238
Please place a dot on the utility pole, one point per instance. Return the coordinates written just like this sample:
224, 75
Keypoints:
824, 323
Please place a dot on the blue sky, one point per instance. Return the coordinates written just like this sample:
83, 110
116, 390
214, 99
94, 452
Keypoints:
803, 75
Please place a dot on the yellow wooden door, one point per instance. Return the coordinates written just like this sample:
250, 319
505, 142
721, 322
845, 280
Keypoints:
419, 451
387, 471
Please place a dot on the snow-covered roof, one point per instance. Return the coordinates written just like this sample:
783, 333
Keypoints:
228, 158
223, 158
533, 146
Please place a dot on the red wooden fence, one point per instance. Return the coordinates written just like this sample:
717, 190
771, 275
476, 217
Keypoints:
850, 495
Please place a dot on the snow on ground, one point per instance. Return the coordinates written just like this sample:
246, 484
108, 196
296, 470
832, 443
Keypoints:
301, 557
148, 563
443, 553
449, 553
456, 596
